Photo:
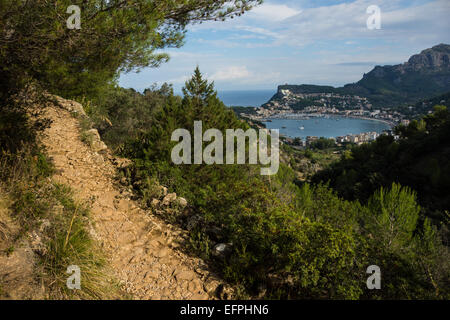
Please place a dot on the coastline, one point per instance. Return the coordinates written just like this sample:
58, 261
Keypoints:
363, 129
391, 124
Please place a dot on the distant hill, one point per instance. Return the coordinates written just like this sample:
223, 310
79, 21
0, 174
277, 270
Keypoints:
425, 75
425, 106
443, 99
304, 88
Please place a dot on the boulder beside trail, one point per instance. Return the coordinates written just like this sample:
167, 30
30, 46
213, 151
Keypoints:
94, 140
71, 106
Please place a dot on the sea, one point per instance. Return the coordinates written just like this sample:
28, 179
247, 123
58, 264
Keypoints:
246, 98
326, 127
319, 127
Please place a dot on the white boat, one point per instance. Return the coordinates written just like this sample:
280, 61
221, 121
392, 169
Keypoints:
302, 128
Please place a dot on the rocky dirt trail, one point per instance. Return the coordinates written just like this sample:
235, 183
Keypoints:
17, 274
143, 250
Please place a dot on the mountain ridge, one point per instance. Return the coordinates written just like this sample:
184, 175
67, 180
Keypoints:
424, 75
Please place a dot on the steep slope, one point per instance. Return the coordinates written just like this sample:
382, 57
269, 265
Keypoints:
423, 76
143, 250
17, 259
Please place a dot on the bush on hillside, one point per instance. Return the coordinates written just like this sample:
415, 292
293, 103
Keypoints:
286, 241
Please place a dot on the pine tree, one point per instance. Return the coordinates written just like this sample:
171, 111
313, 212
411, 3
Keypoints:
115, 36
395, 215
198, 89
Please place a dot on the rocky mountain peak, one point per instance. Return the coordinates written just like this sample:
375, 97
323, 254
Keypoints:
437, 57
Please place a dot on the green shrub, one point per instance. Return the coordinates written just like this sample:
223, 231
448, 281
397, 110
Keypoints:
65, 238
284, 241
276, 240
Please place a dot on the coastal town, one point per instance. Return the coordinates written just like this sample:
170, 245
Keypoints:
302, 106
287, 104
339, 141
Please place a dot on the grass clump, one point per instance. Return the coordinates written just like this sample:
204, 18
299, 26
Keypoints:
62, 225
277, 237
70, 243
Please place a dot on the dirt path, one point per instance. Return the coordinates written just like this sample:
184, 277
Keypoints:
17, 273
142, 248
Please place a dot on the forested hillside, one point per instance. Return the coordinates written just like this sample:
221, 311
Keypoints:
420, 160
268, 237
41, 56
423, 76
279, 240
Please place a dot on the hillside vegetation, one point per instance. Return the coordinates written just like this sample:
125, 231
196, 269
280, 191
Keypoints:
423, 76
266, 236
281, 240
420, 160
39, 55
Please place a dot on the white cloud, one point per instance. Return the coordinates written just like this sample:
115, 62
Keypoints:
348, 20
272, 12
178, 80
258, 30
320, 45
231, 73
287, 26
176, 53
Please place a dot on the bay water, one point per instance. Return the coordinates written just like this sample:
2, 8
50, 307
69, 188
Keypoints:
326, 127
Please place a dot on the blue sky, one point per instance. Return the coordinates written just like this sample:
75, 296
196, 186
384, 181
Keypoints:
304, 41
